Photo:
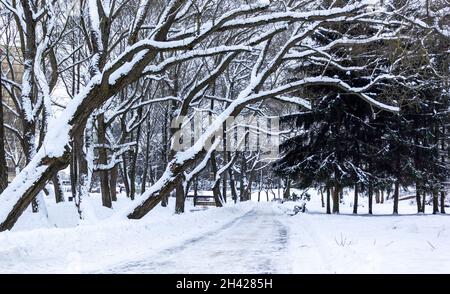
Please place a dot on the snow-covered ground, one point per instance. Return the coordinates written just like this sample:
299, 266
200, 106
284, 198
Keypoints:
248, 237
381, 243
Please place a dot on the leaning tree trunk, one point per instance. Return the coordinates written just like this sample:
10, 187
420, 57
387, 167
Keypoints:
49, 166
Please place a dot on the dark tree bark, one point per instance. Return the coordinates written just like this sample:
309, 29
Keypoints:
418, 203
195, 190
396, 196
435, 201
336, 193
59, 195
232, 185
225, 161
287, 191
242, 188
3, 166
377, 196
424, 198
113, 183
53, 166
103, 160
328, 200
73, 170
165, 199
124, 173
147, 158
322, 200
133, 163
370, 192
355, 200
179, 198
216, 187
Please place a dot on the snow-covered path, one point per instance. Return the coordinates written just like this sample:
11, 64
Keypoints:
253, 243
249, 237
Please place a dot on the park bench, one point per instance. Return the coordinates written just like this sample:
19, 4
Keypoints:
202, 200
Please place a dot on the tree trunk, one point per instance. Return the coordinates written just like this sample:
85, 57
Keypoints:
113, 183
59, 194
84, 141
396, 195
195, 190
134, 155
355, 200
242, 189
3, 166
419, 206
382, 196
225, 161
52, 166
442, 201
165, 139
435, 201
179, 198
248, 189
321, 197
328, 200
124, 173
103, 160
29, 146
147, 158
73, 170
370, 197
287, 191
216, 187
424, 196
336, 193
232, 185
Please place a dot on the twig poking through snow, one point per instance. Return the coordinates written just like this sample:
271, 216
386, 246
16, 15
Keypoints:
431, 245
343, 241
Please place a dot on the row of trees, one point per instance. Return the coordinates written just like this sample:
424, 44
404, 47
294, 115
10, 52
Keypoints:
344, 143
104, 80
